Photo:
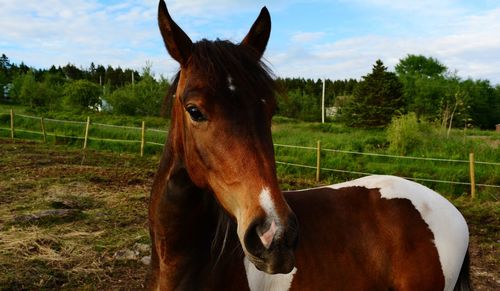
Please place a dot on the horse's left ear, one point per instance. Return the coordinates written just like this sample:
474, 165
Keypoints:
258, 36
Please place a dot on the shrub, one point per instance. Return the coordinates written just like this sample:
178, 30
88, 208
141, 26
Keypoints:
405, 133
82, 94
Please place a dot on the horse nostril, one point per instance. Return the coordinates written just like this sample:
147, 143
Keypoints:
266, 234
260, 235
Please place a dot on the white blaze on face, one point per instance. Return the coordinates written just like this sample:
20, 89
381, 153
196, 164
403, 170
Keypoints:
267, 204
230, 83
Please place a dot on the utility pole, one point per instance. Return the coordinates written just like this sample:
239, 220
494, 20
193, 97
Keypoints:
323, 103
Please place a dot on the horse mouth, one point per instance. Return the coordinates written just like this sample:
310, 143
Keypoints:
274, 260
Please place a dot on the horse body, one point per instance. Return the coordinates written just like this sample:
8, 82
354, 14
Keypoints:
218, 220
377, 233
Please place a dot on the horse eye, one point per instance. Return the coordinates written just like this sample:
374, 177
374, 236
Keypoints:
195, 113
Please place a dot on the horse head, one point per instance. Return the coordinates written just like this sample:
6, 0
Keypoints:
221, 129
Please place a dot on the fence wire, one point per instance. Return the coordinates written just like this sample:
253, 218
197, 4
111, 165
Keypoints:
277, 145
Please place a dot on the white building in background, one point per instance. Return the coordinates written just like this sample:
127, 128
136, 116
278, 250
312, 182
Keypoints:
331, 111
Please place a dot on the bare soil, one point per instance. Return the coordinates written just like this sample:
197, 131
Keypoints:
66, 216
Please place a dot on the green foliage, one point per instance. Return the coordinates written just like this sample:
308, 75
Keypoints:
405, 134
28, 90
301, 98
82, 94
301, 105
424, 84
375, 100
435, 95
428, 90
482, 104
4, 72
418, 65
143, 98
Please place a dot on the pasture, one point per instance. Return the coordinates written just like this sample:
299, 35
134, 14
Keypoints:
345, 154
74, 220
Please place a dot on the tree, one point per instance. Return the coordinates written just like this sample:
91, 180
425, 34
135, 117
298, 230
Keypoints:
423, 79
418, 65
141, 98
82, 94
72, 72
28, 93
482, 103
375, 100
53, 88
5, 76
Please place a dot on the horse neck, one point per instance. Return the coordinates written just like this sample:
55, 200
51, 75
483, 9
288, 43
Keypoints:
189, 229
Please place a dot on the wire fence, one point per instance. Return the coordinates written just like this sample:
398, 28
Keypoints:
81, 132
319, 168
139, 137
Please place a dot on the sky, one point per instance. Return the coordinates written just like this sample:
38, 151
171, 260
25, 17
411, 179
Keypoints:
335, 39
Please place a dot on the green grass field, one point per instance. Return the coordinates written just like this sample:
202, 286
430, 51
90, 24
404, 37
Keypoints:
105, 135
67, 217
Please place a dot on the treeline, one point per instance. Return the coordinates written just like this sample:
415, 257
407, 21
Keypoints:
420, 85
301, 98
117, 90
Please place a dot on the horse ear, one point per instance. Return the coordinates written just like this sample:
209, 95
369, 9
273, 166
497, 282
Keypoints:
258, 36
178, 44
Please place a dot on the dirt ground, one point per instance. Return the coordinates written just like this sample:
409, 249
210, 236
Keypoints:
73, 220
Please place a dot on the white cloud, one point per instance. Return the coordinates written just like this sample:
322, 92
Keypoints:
468, 44
42, 33
57, 31
305, 37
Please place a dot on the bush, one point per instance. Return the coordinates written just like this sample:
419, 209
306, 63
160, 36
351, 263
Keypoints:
405, 133
82, 94
143, 98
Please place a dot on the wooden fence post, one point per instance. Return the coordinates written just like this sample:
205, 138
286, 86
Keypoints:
143, 137
12, 124
472, 176
318, 161
42, 123
86, 133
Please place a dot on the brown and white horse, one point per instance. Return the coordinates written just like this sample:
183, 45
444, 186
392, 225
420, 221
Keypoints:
219, 221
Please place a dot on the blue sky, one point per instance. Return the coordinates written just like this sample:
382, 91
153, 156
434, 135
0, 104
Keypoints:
313, 39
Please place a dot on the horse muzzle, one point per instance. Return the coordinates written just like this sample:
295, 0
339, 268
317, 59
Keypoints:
270, 244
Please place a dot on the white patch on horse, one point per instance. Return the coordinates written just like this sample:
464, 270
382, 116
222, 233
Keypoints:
266, 202
261, 281
451, 234
230, 83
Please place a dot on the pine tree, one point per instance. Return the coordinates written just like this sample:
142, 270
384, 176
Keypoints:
375, 99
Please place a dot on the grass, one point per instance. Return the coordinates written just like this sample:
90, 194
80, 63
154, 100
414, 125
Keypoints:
103, 133
110, 193
435, 145
432, 143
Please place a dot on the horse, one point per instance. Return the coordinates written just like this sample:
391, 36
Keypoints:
219, 221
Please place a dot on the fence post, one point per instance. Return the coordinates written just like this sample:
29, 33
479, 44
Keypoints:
86, 133
318, 161
143, 137
472, 176
12, 124
42, 123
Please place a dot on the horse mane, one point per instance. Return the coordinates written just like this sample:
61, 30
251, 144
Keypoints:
221, 59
